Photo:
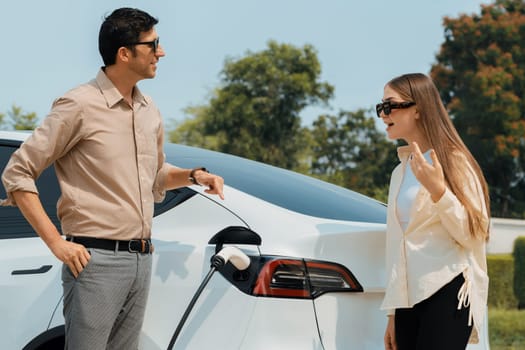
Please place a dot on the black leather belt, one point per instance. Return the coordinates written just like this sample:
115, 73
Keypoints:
143, 246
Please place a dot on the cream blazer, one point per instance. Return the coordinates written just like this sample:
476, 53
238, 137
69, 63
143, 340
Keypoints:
435, 248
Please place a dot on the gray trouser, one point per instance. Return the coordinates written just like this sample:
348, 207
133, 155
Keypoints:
104, 307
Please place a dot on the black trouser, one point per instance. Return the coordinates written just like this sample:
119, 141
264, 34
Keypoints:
434, 323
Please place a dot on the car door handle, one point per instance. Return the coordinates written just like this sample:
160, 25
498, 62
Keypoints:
41, 269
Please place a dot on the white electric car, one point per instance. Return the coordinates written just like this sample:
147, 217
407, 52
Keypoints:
315, 281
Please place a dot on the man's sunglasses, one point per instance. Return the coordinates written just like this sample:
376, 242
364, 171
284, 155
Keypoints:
387, 107
154, 44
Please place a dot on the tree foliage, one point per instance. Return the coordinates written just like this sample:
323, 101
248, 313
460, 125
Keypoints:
480, 72
255, 113
18, 119
351, 152
191, 131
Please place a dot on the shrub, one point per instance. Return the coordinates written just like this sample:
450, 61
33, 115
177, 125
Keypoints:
506, 329
501, 276
519, 271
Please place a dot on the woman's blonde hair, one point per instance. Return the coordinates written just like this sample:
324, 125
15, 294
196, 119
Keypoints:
443, 137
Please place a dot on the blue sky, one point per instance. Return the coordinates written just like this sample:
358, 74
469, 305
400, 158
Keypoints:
50, 46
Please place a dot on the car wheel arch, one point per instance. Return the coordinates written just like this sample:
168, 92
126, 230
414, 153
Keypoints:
52, 338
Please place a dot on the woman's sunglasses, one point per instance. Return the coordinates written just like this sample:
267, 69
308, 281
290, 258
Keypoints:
387, 107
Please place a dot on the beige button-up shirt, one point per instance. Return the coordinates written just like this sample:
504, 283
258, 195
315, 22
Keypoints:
435, 247
108, 158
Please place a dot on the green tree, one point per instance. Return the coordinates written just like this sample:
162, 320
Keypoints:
191, 131
20, 120
2, 115
351, 152
480, 72
255, 113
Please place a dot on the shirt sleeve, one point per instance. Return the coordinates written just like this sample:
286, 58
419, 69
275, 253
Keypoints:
453, 214
51, 140
159, 186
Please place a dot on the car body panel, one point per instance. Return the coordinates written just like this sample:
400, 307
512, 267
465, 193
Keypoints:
24, 288
351, 320
180, 262
282, 324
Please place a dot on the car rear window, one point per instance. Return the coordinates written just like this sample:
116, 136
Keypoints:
290, 190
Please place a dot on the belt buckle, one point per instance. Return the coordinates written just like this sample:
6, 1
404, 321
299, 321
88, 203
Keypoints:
144, 246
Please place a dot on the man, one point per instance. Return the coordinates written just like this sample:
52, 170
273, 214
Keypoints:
105, 139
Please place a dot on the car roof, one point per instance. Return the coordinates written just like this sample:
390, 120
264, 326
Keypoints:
287, 189
18, 135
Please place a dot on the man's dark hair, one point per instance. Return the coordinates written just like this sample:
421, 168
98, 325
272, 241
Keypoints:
121, 28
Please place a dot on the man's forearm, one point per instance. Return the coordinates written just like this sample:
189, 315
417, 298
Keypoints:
30, 205
177, 177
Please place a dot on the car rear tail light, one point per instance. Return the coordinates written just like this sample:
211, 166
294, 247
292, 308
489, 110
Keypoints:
305, 279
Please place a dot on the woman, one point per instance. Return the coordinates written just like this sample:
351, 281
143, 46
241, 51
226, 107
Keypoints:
437, 225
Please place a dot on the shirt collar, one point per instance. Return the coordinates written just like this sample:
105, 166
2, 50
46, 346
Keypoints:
111, 93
